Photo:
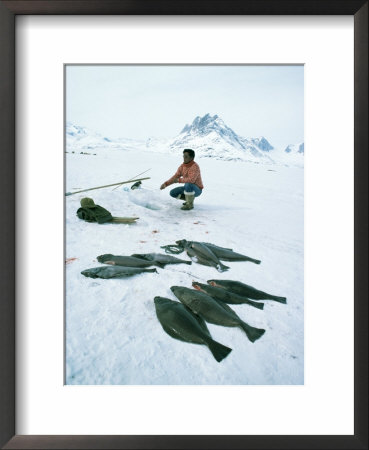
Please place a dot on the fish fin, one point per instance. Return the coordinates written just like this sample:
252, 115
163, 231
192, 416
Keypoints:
159, 264
218, 350
200, 321
252, 333
139, 256
222, 268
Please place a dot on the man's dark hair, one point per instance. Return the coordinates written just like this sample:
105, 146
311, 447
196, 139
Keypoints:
190, 152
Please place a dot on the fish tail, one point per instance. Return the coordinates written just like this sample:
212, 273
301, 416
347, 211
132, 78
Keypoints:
252, 333
255, 304
221, 267
218, 350
279, 299
256, 261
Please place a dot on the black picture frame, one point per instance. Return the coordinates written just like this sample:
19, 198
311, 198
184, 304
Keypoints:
8, 11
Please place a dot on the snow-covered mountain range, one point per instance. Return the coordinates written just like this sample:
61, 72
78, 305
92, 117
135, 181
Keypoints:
295, 148
209, 136
81, 139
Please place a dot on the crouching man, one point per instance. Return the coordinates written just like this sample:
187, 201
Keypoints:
189, 174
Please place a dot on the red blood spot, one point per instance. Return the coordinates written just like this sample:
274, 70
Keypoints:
70, 260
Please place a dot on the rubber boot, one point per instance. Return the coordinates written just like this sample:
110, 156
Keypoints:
181, 197
190, 197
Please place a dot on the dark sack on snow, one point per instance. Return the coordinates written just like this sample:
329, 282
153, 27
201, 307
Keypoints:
96, 214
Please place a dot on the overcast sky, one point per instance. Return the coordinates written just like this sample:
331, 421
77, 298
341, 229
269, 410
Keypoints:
142, 101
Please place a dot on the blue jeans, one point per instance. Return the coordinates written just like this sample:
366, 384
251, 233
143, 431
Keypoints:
187, 188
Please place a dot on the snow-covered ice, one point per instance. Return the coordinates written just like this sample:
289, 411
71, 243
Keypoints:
112, 333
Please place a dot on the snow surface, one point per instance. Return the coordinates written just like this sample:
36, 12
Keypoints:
112, 333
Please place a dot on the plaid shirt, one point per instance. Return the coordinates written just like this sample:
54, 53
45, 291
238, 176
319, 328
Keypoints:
187, 173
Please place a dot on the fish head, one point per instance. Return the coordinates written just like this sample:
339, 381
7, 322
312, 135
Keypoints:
187, 296
103, 258
181, 293
182, 243
161, 302
197, 286
176, 290
90, 272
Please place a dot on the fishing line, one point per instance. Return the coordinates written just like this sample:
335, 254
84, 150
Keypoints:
188, 273
132, 178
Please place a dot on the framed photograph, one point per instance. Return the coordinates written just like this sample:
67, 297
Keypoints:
159, 158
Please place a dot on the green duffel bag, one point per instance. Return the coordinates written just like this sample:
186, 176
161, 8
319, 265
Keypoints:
93, 213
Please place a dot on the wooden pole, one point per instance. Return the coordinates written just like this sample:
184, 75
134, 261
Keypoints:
107, 185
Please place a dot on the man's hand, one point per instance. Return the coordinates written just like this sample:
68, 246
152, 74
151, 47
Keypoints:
162, 186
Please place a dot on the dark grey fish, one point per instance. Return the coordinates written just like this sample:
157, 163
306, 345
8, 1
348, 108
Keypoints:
213, 311
161, 259
245, 290
114, 271
128, 261
205, 253
197, 258
223, 253
180, 323
217, 247
201, 254
229, 255
225, 296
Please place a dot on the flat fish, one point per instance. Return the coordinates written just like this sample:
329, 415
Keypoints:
160, 258
245, 290
128, 261
214, 312
201, 254
229, 255
180, 323
195, 257
114, 272
225, 296
223, 253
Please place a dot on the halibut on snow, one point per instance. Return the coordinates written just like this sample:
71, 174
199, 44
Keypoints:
180, 323
245, 290
225, 296
213, 311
